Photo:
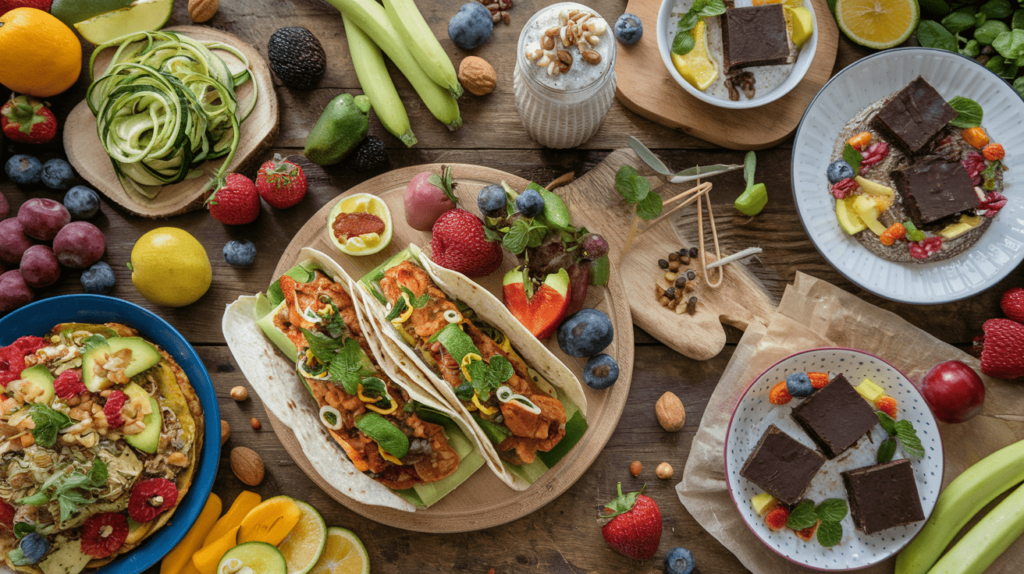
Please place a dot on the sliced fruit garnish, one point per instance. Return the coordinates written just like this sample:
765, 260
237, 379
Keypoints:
877, 24
344, 554
360, 225
305, 543
697, 67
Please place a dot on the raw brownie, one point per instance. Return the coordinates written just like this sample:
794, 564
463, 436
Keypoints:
883, 496
756, 36
782, 466
932, 188
915, 115
835, 416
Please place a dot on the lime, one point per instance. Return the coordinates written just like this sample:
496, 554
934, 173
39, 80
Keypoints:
170, 267
878, 24
387, 435
141, 16
260, 556
306, 541
344, 554
367, 231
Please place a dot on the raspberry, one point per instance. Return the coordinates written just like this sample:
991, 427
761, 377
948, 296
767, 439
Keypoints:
876, 153
925, 249
12, 357
6, 515
992, 203
103, 534
112, 409
807, 534
818, 380
887, 405
974, 163
779, 394
844, 188
68, 384
151, 497
776, 519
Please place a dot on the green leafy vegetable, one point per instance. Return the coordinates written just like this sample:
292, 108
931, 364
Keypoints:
802, 516
969, 113
401, 305
830, 533
649, 207
987, 33
989, 175
971, 49
92, 341
349, 366
996, 9
1009, 44
684, 42
913, 233
931, 34
48, 423
957, 22
886, 450
488, 377
630, 185
322, 346
852, 157
23, 529
69, 489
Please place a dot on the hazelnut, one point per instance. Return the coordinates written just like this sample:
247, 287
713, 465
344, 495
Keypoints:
673, 266
225, 432
239, 393
477, 76
635, 467
670, 412
255, 423
664, 471
247, 465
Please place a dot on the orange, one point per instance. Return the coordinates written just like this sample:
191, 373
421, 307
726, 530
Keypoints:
39, 55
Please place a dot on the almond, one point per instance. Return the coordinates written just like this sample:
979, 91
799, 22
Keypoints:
202, 10
225, 432
477, 76
247, 465
670, 411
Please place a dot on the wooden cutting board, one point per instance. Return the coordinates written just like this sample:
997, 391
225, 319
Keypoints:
86, 154
646, 87
482, 501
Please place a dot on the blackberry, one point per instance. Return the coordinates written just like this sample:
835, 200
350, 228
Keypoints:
372, 155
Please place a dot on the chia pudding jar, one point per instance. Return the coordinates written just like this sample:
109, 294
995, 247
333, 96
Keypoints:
563, 110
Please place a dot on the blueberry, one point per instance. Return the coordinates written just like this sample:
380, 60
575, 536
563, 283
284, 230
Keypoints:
492, 201
600, 372
470, 26
586, 333
838, 171
530, 203
799, 384
240, 252
57, 174
34, 547
82, 202
24, 169
629, 29
679, 561
98, 279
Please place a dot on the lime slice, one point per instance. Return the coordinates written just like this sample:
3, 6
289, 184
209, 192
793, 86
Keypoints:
306, 541
387, 435
367, 243
344, 554
141, 16
259, 556
877, 24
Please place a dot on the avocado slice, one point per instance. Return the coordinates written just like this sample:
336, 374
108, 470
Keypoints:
40, 376
149, 439
143, 355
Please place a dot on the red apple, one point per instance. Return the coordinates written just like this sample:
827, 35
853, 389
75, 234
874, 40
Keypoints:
954, 391
543, 312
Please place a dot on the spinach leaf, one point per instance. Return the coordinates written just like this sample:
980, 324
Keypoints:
996, 9
957, 22
931, 34
969, 113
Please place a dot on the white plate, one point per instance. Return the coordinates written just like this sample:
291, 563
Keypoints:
1001, 247
666, 32
754, 413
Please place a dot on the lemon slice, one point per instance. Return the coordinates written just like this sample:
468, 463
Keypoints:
697, 67
877, 24
366, 243
344, 554
306, 542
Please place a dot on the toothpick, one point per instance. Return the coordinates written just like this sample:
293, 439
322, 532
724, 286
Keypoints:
714, 235
706, 189
735, 257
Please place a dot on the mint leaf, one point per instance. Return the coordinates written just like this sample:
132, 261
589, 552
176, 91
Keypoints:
48, 423
524, 233
908, 438
649, 207
628, 184
969, 113
802, 516
852, 157
830, 533
488, 377
376, 388
322, 346
913, 233
886, 450
23, 529
831, 510
335, 324
684, 42
92, 341
888, 423
350, 366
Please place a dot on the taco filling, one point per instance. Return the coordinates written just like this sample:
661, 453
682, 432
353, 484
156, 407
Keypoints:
380, 428
486, 375
97, 426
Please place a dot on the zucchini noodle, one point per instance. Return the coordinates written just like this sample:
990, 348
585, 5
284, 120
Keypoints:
165, 105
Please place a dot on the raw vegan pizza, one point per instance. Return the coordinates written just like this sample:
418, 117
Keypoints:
915, 178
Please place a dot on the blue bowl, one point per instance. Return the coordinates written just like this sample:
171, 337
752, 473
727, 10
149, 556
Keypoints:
41, 316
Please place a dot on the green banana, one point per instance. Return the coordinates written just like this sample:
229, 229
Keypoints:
989, 538
406, 18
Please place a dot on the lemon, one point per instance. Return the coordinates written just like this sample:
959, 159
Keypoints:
878, 24
801, 25
170, 267
697, 67
344, 554
306, 541
367, 243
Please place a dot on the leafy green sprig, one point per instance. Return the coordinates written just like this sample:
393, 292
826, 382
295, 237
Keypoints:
48, 423
445, 183
684, 41
346, 362
830, 512
69, 489
403, 303
902, 430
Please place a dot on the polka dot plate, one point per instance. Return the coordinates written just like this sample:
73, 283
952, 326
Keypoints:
754, 413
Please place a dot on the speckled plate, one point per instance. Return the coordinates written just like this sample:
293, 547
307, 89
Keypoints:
754, 413
1000, 249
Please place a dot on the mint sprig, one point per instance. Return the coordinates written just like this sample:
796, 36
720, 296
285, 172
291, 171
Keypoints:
832, 510
684, 42
852, 157
47, 424
802, 516
636, 190
489, 376
886, 450
830, 533
401, 305
830, 513
524, 233
904, 431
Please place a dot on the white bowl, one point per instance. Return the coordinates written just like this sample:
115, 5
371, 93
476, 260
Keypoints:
667, 32
754, 413
1000, 249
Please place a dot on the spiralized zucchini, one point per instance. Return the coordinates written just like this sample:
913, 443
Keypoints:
165, 105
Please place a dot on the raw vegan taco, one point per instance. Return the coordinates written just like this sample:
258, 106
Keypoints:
101, 433
528, 408
400, 446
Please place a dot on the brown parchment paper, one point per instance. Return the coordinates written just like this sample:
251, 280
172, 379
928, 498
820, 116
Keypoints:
814, 313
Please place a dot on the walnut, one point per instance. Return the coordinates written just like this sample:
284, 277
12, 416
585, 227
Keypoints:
477, 76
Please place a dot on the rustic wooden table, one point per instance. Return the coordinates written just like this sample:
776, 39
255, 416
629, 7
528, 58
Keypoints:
563, 536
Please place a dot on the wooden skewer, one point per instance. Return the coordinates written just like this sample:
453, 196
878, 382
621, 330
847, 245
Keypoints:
702, 190
695, 189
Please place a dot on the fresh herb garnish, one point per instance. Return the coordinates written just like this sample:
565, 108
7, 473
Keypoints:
802, 516
886, 450
68, 489
403, 303
830, 533
350, 366
335, 323
524, 233
832, 510
488, 377
48, 423
830, 513
969, 113
445, 183
989, 175
23, 529
904, 431
931, 34
374, 387
636, 190
852, 157
92, 341
684, 41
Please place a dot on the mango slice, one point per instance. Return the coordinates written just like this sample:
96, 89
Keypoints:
270, 522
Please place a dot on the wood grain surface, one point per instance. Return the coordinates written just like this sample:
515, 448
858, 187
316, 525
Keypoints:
646, 87
563, 537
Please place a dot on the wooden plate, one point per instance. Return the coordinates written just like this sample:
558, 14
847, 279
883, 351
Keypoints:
86, 154
482, 501
646, 87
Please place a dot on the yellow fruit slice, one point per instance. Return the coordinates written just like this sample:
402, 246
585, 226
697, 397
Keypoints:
801, 24
847, 216
697, 67
878, 24
305, 543
368, 243
344, 554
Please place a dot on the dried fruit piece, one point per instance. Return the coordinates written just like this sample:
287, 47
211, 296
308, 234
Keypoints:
779, 394
925, 249
844, 188
860, 141
876, 153
150, 498
993, 152
887, 405
974, 163
112, 409
6, 515
807, 534
103, 534
69, 384
975, 136
764, 503
776, 519
818, 380
992, 203
895, 232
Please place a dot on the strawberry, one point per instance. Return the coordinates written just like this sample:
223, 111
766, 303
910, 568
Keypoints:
1002, 350
635, 526
27, 120
1013, 304
460, 244
8, 5
281, 183
236, 202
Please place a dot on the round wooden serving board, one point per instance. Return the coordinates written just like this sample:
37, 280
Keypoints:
482, 501
86, 154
